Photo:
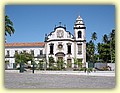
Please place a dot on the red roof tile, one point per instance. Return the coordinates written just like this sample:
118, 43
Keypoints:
24, 44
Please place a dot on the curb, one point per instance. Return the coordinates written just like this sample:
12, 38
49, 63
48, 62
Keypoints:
97, 73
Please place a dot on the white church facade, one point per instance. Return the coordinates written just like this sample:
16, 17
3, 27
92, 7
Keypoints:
59, 44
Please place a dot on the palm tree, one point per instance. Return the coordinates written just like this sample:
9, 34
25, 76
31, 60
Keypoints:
112, 34
112, 45
105, 38
99, 48
94, 36
90, 48
8, 26
112, 38
23, 57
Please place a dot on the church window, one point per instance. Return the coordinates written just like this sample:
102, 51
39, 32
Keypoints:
79, 48
8, 53
51, 48
24, 51
32, 52
69, 48
79, 34
16, 52
41, 52
60, 46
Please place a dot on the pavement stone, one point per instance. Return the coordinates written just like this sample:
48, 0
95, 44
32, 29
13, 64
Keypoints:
57, 79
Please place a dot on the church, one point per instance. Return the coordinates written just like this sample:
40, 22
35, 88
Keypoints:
59, 44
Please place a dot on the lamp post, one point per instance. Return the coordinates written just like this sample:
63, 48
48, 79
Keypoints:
33, 68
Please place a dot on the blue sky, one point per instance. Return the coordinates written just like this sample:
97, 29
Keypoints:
32, 22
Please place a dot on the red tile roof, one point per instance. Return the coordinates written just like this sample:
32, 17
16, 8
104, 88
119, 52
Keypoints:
24, 44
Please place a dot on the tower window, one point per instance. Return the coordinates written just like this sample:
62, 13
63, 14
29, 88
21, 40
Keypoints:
79, 34
80, 49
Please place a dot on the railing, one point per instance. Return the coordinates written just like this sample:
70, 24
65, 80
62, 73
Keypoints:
8, 56
38, 56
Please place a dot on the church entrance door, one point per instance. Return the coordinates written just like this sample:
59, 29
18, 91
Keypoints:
60, 58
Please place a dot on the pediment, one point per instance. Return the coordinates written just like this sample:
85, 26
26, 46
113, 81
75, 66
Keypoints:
60, 33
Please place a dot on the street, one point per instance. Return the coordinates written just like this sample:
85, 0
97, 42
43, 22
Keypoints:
29, 80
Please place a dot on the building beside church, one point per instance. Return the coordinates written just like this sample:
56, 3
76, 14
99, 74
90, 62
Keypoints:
60, 44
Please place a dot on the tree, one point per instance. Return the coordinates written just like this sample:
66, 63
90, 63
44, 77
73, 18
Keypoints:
112, 45
99, 50
105, 38
79, 63
23, 57
60, 64
75, 62
8, 26
40, 64
51, 61
106, 50
94, 36
90, 49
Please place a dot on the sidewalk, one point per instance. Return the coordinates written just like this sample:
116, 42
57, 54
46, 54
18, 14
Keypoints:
97, 73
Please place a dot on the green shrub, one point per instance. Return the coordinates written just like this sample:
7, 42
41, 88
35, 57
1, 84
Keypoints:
105, 69
89, 70
81, 69
76, 69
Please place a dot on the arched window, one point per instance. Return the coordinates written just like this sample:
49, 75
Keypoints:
79, 34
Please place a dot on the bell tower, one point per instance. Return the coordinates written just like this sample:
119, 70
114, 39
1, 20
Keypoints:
79, 29
80, 41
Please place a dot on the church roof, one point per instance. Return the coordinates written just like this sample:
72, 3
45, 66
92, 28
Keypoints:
79, 21
31, 44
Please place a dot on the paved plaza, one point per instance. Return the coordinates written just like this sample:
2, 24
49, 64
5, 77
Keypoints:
60, 80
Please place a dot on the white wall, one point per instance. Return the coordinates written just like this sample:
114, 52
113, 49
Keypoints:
27, 49
11, 61
20, 49
112, 65
66, 35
